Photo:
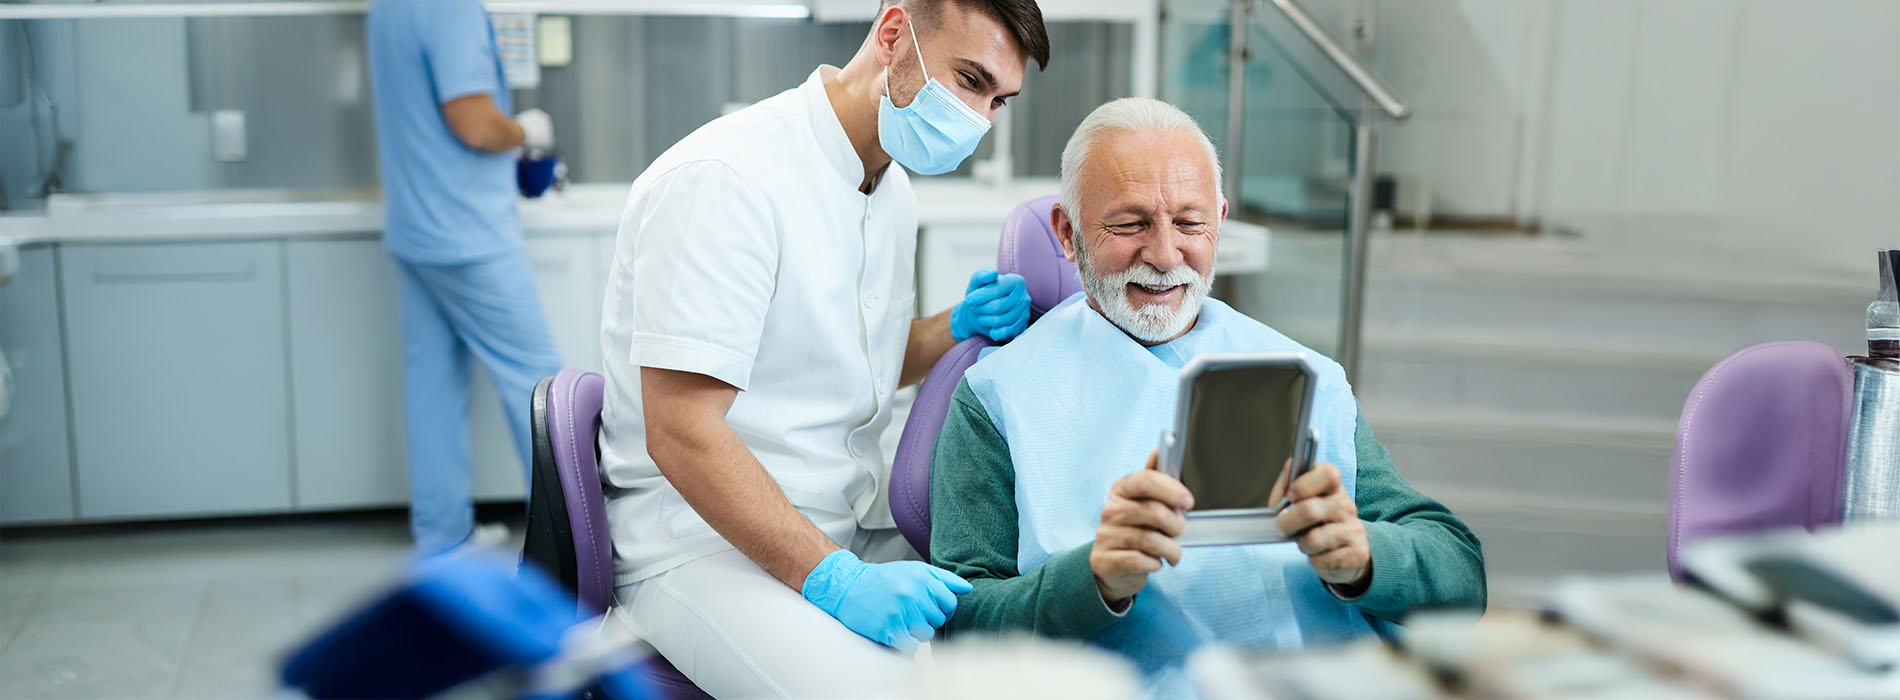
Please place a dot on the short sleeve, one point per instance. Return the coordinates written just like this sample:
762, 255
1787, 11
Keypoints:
701, 255
459, 45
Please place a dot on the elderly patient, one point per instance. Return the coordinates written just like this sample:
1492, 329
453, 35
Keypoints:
1043, 492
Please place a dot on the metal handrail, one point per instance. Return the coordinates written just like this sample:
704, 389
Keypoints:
1373, 93
1362, 76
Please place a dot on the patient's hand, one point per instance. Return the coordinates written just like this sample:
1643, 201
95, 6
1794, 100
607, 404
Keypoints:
1139, 525
1331, 535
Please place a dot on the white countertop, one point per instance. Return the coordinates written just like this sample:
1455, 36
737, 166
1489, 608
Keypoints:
125, 218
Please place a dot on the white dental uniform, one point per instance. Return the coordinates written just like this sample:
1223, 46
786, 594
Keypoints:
746, 253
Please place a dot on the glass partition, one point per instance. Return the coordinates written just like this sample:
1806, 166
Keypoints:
125, 104
1289, 159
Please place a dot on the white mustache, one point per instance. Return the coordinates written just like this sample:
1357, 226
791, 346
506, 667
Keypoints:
1179, 275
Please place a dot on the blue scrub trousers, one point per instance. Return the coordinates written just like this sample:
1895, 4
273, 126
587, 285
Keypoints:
486, 309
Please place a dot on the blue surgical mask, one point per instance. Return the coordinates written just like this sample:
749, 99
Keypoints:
933, 134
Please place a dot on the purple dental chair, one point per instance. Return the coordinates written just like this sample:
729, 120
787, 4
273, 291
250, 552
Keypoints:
567, 517
1762, 445
567, 520
1029, 248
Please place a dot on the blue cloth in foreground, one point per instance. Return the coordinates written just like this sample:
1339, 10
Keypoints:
1081, 404
487, 310
453, 620
446, 203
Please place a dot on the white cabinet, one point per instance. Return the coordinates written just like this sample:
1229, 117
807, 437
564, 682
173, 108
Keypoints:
948, 253
36, 469
240, 377
959, 222
178, 375
565, 276
346, 374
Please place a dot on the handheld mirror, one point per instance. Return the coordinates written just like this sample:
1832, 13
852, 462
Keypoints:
1241, 428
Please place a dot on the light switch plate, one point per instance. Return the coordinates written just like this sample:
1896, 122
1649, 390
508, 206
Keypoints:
555, 41
9, 263
227, 136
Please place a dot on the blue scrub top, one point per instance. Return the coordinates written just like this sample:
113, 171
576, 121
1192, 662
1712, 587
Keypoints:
447, 203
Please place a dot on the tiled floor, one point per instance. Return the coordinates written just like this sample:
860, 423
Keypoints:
200, 610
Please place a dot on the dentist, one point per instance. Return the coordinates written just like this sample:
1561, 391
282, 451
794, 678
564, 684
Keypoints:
759, 317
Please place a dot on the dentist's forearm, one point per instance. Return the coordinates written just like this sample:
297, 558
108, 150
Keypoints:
728, 487
929, 340
702, 457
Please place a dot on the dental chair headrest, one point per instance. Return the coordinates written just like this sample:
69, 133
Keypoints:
1029, 248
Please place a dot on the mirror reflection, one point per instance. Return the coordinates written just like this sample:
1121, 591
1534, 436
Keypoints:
1242, 428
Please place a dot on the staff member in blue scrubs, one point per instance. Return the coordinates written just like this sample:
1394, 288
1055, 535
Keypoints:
467, 290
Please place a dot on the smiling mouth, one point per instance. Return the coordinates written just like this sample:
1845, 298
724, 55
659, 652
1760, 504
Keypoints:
1154, 290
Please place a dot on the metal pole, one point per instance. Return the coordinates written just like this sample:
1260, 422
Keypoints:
1236, 97
1358, 224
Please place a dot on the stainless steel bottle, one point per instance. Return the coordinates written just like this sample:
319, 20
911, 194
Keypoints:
1873, 446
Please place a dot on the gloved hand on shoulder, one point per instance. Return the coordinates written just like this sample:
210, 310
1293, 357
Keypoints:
995, 305
898, 604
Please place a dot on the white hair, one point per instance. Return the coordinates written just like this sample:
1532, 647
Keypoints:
1126, 114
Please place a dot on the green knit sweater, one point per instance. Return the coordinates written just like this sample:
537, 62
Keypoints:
1422, 556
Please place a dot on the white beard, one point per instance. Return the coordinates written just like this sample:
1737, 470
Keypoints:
1152, 323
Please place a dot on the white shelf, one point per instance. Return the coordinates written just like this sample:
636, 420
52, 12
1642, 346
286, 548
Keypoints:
788, 9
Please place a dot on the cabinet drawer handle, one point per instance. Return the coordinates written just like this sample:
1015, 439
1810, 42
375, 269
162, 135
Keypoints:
247, 273
200, 264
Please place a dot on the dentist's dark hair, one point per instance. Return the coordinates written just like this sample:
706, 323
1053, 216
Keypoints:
1022, 18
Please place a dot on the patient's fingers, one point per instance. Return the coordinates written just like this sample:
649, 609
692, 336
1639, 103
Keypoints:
1155, 486
1151, 515
1159, 517
1302, 515
1128, 560
1156, 544
1326, 538
1321, 480
1115, 537
1149, 542
1279, 484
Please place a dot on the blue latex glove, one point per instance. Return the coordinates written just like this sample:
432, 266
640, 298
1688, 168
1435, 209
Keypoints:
898, 604
993, 305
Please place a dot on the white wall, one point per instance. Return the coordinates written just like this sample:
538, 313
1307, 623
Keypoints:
1780, 116
1465, 67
